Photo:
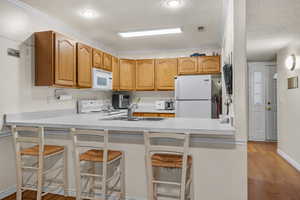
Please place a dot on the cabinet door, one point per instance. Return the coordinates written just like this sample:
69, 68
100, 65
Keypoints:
127, 74
167, 115
209, 64
84, 65
65, 61
145, 75
116, 73
107, 61
165, 71
187, 65
97, 59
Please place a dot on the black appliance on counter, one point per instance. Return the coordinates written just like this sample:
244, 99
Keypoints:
120, 101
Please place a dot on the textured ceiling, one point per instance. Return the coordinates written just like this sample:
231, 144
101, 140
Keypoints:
271, 25
121, 15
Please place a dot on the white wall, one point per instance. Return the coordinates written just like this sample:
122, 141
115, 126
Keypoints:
17, 94
234, 41
288, 106
168, 53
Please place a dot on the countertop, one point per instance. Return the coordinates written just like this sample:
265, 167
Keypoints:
57, 119
150, 108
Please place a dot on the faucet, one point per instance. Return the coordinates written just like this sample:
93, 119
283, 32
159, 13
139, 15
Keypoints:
131, 108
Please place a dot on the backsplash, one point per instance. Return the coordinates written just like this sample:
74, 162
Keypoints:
150, 97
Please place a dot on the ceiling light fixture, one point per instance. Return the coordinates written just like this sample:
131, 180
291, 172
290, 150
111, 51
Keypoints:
290, 62
173, 3
151, 32
88, 13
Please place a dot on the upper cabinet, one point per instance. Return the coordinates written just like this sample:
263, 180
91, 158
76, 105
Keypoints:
209, 64
127, 74
107, 61
84, 65
165, 72
65, 61
145, 74
187, 65
115, 74
97, 59
55, 60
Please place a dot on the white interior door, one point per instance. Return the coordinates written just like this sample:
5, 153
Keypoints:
271, 98
262, 102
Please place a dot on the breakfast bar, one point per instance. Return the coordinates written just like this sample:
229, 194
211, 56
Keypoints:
216, 154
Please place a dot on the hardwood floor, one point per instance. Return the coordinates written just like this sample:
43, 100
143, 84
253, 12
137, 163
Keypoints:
269, 176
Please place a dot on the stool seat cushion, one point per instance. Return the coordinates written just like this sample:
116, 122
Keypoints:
169, 160
48, 150
95, 155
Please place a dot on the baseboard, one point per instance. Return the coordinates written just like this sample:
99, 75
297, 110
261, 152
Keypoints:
289, 159
71, 192
7, 192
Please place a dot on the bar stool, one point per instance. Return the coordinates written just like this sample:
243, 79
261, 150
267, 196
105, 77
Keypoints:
172, 157
91, 151
34, 147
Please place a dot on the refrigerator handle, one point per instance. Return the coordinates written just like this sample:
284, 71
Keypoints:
176, 87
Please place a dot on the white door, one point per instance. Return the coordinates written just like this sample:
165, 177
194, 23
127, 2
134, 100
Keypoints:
193, 109
193, 87
262, 118
271, 98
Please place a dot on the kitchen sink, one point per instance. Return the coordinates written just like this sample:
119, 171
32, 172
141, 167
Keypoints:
125, 118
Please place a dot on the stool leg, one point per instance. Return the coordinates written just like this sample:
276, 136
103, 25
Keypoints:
40, 177
93, 183
19, 174
65, 171
122, 181
192, 184
77, 169
149, 177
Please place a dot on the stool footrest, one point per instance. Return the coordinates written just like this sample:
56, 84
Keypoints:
91, 175
30, 168
166, 183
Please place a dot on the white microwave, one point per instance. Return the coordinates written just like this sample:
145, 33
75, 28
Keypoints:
102, 80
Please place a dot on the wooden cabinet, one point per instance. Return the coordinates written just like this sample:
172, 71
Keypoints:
187, 65
142, 114
116, 74
127, 74
165, 72
209, 64
167, 114
65, 61
97, 59
55, 60
145, 75
84, 65
107, 61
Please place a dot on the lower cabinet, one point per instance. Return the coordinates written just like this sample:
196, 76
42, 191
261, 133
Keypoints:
142, 114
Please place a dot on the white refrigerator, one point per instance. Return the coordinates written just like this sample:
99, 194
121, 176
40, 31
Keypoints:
193, 96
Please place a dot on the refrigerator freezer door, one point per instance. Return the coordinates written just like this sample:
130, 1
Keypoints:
193, 109
193, 87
